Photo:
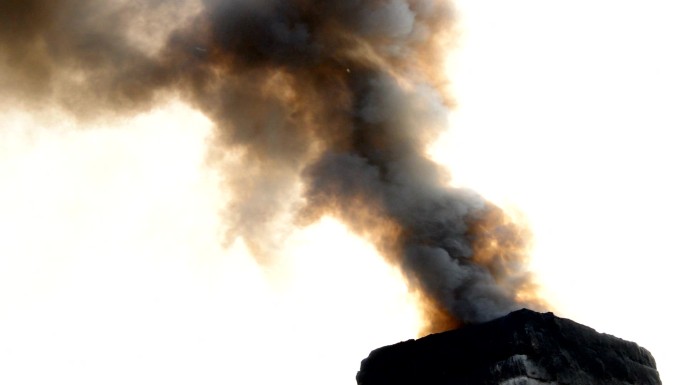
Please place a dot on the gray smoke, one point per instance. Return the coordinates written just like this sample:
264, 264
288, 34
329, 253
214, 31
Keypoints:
342, 97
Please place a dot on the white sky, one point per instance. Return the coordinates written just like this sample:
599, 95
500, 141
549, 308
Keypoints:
111, 265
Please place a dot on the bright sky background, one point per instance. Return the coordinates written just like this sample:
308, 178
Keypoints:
111, 265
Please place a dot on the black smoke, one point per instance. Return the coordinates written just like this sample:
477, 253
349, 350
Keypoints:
332, 102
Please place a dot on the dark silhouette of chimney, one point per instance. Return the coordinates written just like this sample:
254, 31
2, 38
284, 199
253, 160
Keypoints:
522, 348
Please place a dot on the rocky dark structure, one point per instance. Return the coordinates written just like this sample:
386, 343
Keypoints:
522, 348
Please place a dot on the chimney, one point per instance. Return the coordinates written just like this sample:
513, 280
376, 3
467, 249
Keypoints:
522, 348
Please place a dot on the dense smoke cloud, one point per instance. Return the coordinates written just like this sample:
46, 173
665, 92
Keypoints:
333, 102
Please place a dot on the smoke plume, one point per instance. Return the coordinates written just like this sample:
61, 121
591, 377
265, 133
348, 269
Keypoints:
335, 102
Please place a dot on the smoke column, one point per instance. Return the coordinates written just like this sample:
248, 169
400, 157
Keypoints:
332, 102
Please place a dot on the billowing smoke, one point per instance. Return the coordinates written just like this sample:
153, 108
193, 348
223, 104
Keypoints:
333, 101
